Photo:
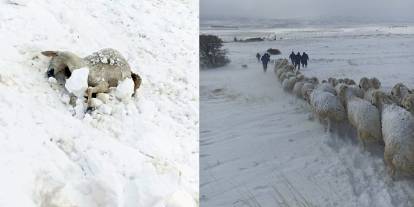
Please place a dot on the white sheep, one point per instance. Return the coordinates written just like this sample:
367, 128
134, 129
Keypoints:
327, 106
107, 68
362, 115
327, 87
358, 92
308, 87
398, 134
289, 83
297, 88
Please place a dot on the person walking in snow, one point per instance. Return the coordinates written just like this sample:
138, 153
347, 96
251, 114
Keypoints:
298, 57
265, 60
304, 60
258, 57
292, 57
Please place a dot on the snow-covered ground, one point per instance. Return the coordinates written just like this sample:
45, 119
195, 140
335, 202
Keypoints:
139, 152
259, 145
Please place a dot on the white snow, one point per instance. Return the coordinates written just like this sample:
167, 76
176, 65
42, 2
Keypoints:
125, 89
258, 145
124, 154
77, 83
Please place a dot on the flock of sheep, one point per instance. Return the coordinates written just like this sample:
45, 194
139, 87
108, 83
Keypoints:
380, 118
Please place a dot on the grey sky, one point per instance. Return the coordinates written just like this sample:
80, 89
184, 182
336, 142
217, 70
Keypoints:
382, 9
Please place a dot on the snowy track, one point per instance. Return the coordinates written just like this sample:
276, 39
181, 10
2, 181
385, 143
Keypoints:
259, 147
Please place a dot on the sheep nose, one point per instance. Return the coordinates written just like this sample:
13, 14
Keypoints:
50, 73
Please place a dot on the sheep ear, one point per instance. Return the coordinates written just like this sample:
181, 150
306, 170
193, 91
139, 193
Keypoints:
50, 53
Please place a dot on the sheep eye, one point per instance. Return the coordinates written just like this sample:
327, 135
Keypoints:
51, 72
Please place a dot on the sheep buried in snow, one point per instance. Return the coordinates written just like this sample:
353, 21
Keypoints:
364, 116
398, 134
107, 68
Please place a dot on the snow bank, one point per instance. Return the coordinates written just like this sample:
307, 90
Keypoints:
77, 83
136, 153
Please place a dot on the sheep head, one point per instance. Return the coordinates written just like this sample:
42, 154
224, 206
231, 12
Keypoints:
399, 91
364, 83
408, 103
62, 62
374, 83
314, 80
379, 98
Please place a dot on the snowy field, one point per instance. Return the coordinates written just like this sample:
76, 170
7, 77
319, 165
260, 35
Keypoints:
138, 152
259, 145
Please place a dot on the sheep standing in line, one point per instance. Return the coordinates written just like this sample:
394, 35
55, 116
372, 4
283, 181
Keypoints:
308, 87
369, 86
398, 134
289, 83
362, 115
327, 106
107, 68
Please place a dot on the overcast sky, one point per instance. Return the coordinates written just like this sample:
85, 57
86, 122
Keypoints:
383, 9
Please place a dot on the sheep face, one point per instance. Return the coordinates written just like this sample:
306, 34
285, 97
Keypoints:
375, 83
408, 103
314, 80
379, 98
364, 84
62, 62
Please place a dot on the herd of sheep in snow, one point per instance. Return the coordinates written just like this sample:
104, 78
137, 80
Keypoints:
380, 118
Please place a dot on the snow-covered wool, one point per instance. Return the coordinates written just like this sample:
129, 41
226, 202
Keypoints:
308, 87
398, 134
327, 87
326, 105
289, 83
362, 115
355, 90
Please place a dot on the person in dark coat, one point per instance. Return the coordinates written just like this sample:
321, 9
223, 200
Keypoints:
304, 60
297, 60
292, 57
265, 60
258, 57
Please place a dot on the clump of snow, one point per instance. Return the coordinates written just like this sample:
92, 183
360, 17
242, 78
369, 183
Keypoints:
125, 89
77, 83
180, 199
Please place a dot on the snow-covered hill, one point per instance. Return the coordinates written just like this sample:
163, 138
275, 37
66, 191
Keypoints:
143, 152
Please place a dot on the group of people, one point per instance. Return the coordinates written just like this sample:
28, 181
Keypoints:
298, 59
265, 58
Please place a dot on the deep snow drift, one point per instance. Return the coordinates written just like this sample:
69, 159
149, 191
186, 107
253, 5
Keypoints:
138, 152
259, 145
